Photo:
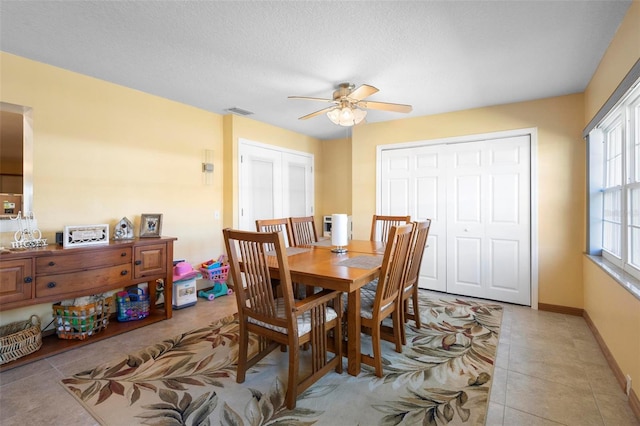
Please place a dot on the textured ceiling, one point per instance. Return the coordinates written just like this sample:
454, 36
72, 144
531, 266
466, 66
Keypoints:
438, 56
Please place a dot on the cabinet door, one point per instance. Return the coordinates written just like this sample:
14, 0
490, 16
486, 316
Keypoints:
150, 260
16, 280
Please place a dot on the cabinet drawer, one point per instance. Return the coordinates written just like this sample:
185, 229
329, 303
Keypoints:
62, 284
80, 261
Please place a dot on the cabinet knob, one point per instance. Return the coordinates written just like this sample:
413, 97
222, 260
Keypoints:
138, 262
125, 272
28, 280
123, 254
52, 263
52, 284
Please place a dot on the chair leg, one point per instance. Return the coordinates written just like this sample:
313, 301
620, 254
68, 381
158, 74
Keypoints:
377, 350
402, 313
243, 348
398, 330
416, 310
292, 388
337, 337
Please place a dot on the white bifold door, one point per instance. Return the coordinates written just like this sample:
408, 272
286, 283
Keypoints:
478, 196
273, 183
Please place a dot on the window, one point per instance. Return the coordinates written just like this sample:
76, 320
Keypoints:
614, 180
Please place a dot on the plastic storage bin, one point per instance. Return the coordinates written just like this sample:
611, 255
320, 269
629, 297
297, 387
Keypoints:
132, 305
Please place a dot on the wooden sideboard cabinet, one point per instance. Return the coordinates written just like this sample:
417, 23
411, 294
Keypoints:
50, 274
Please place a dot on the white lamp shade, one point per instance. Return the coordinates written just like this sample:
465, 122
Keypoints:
339, 230
346, 116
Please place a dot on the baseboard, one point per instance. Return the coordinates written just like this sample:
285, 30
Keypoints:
561, 309
634, 402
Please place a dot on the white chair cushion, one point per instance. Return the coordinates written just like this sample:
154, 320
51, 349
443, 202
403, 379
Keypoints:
304, 321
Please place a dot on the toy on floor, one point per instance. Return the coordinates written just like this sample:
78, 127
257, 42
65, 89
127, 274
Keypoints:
212, 264
219, 289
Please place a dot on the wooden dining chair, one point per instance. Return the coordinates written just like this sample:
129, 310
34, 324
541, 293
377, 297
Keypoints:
283, 320
380, 225
274, 225
303, 230
410, 283
382, 301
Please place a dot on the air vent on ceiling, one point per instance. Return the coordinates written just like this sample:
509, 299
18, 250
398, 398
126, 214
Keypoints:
239, 111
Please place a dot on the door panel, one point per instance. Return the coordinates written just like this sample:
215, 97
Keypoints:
467, 268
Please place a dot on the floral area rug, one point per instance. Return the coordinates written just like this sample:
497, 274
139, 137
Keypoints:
443, 376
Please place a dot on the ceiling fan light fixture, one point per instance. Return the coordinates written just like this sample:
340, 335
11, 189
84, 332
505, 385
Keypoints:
346, 116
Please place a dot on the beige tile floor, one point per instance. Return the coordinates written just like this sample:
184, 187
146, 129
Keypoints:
549, 371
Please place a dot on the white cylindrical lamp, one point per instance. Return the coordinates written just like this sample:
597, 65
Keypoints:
339, 233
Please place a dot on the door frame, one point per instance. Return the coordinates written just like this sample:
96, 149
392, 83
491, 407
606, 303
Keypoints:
532, 132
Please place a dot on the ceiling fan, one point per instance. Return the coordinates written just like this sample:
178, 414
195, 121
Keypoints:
347, 101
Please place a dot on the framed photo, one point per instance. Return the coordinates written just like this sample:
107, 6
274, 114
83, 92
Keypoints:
150, 225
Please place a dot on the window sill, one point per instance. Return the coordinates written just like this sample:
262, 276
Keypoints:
629, 282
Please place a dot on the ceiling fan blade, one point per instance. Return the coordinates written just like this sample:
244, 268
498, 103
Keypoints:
385, 106
363, 91
310, 99
313, 114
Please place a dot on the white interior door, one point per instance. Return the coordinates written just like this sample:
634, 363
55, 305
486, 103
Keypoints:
478, 197
297, 176
273, 183
488, 220
414, 181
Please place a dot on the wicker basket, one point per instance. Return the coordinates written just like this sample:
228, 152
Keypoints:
19, 338
80, 322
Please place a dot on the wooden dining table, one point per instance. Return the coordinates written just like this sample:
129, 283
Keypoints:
345, 272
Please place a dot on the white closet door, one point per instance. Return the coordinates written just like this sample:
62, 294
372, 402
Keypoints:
260, 182
478, 197
298, 184
273, 183
488, 220
414, 183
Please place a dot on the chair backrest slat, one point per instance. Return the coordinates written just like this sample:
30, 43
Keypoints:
416, 252
381, 225
394, 262
303, 230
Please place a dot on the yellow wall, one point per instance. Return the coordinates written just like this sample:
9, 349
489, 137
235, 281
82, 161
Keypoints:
561, 177
615, 312
622, 53
337, 176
